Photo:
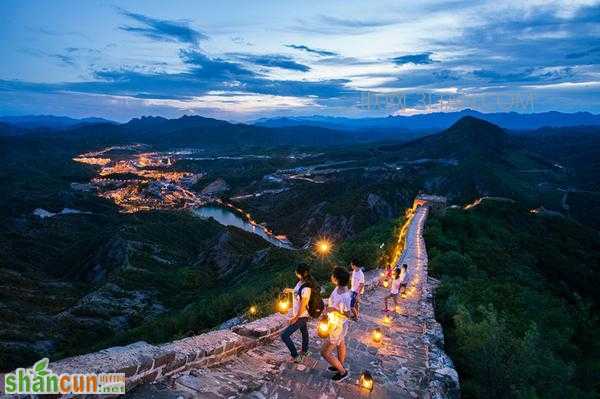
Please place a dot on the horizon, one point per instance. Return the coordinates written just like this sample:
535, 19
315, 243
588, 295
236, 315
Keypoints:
242, 62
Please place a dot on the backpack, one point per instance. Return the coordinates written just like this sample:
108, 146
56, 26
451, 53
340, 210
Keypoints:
315, 302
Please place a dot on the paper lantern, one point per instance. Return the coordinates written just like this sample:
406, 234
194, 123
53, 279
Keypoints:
377, 335
283, 304
323, 327
366, 381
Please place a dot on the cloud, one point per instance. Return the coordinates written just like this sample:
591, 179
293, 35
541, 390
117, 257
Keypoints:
162, 29
592, 52
272, 61
204, 66
417, 59
323, 53
328, 25
356, 23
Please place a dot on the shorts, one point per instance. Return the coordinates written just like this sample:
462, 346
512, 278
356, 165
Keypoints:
354, 296
338, 334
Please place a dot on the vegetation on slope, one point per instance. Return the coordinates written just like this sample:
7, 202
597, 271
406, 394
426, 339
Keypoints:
518, 301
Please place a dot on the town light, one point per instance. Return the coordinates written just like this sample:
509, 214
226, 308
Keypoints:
398, 309
253, 310
366, 381
385, 284
323, 327
387, 319
377, 335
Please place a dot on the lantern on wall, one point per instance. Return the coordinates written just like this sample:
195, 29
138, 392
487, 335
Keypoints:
387, 319
386, 284
377, 335
365, 381
253, 310
323, 327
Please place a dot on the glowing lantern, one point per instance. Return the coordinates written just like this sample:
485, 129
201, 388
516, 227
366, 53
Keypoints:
253, 310
398, 308
283, 305
323, 327
387, 319
385, 284
377, 335
366, 381
382, 274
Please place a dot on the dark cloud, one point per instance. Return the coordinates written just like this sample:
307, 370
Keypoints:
272, 61
214, 68
162, 29
324, 53
592, 52
421, 58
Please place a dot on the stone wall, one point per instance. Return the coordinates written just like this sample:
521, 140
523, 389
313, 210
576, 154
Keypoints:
145, 363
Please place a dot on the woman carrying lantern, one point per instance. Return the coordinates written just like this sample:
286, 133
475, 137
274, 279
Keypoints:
338, 311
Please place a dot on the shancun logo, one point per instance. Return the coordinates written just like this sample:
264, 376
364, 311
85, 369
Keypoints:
41, 380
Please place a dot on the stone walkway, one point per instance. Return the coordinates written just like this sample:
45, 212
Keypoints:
399, 364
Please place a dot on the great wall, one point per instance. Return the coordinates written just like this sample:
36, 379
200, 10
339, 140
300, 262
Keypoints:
249, 361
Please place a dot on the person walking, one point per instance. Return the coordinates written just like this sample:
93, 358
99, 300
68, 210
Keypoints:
394, 290
357, 287
338, 310
301, 295
403, 279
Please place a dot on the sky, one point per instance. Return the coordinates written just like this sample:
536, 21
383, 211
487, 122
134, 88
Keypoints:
244, 60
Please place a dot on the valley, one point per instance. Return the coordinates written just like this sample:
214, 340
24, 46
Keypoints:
159, 229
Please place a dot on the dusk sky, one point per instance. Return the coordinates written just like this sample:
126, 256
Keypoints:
242, 60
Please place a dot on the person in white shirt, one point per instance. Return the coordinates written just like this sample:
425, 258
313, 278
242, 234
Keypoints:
394, 290
301, 295
338, 310
357, 286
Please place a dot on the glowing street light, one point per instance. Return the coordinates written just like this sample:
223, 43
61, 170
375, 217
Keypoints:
323, 247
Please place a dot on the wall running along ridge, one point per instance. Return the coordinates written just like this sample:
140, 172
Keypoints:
144, 363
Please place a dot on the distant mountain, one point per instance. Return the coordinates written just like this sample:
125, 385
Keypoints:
49, 121
466, 138
440, 120
208, 132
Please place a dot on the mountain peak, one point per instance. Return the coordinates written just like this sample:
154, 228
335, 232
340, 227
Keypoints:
475, 133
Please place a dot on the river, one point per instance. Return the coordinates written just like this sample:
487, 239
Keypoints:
228, 218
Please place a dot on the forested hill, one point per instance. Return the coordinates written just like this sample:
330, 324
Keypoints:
519, 301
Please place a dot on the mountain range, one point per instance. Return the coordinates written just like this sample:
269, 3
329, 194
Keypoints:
49, 121
439, 120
